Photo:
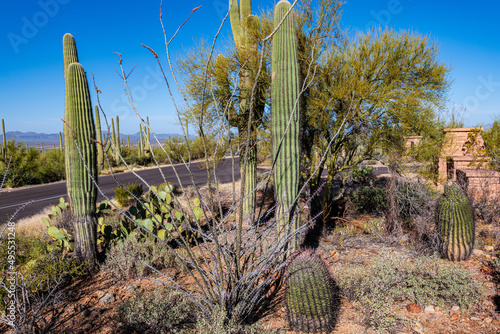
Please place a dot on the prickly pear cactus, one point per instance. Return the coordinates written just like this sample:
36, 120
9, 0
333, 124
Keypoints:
310, 294
455, 224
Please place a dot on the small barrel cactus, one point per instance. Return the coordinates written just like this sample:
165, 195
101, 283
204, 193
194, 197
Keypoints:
455, 224
311, 297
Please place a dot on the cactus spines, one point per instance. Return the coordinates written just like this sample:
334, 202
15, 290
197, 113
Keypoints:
80, 159
310, 293
455, 224
285, 116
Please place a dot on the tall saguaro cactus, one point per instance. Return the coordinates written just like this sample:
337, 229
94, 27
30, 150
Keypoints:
100, 149
4, 141
285, 116
80, 153
117, 140
242, 21
455, 224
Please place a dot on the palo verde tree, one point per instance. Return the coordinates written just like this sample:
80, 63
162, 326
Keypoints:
378, 78
229, 88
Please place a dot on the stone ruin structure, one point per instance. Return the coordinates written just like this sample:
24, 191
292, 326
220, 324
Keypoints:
457, 164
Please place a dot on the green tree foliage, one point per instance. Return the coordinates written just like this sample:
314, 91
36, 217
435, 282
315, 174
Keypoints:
491, 139
29, 166
364, 89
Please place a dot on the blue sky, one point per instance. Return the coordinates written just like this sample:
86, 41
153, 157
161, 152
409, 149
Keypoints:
31, 62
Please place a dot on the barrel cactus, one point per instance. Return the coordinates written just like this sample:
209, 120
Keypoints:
80, 153
285, 115
455, 224
310, 294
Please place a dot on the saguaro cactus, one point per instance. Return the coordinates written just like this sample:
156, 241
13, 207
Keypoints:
61, 147
242, 23
117, 140
4, 141
285, 125
455, 224
310, 294
80, 154
100, 149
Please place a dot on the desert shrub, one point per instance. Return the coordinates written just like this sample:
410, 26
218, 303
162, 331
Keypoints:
392, 278
414, 199
40, 275
161, 310
176, 148
369, 199
126, 194
218, 324
122, 259
362, 174
51, 166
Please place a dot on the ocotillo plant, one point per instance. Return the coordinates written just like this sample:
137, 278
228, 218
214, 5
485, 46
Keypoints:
455, 224
310, 294
285, 116
80, 155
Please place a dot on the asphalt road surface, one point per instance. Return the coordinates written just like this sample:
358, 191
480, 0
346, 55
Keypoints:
38, 197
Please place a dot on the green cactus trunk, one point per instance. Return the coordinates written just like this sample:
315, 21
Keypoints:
4, 140
100, 149
61, 147
241, 17
141, 135
455, 224
148, 135
128, 141
80, 155
117, 140
285, 125
310, 295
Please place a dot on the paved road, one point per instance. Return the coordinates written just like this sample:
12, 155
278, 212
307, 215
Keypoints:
49, 194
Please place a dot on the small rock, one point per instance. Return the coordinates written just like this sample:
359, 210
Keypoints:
477, 252
107, 298
86, 312
455, 308
418, 328
437, 308
454, 317
475, 319
489, 248
488, 256
414, 308
429, 309
132, 287
488, 320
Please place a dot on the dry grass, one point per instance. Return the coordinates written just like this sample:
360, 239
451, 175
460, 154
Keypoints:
33, 225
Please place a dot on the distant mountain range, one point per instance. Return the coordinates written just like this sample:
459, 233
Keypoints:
51, 139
